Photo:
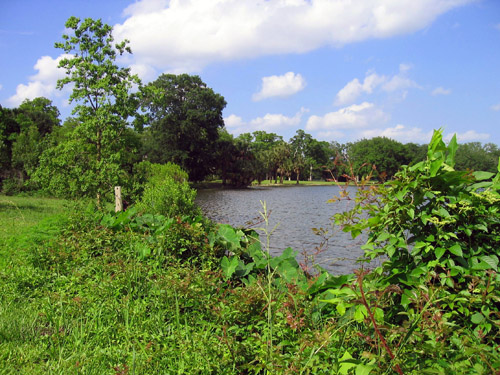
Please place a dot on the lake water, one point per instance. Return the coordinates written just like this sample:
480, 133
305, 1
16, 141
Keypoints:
296, 210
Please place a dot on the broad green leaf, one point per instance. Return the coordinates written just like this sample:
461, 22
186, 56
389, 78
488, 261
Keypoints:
456, 250
363, 369
360, 313
438, 252
491, 260
477, 318
480, 175
229, 235
229, 266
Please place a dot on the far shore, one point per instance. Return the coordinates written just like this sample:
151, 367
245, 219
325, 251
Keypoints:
217, 184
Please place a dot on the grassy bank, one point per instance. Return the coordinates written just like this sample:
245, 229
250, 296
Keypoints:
81, 298
84, 292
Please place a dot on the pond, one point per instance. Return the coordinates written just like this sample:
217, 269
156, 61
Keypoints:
295, 210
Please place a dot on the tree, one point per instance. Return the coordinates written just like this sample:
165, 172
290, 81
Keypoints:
475, 157
183, 116
89, 162
385, 154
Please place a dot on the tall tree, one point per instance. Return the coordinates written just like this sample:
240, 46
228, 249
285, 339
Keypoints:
384, 154
183, 116
89, 162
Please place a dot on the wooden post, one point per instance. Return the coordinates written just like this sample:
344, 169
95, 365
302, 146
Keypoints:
118, 199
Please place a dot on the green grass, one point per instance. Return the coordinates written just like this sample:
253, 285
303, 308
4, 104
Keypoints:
20, 213
78, 299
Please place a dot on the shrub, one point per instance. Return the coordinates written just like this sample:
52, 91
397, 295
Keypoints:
166, 191
12, 186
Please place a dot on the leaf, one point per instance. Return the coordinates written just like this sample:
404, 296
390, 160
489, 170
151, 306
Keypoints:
360, 313
452, 149
438, 252
477, 318
229, 235
229, 266
456, 250
362, 369
491, 260
481, 175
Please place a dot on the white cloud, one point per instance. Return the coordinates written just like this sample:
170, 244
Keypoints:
399, 133
350, 92
468, 136
354, 116
495, 107
440, 91
406, 134
145, 7
187, 35
280, 86
145, 72
399, 82
41, 84
271, 122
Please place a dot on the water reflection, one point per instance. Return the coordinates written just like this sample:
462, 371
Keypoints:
296, 210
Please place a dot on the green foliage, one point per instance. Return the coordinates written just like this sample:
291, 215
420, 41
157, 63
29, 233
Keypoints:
385, 154
183, 117
90, 162
167, 191
99, 296
436, 231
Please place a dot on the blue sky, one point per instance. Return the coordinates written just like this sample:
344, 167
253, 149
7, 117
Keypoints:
341, 70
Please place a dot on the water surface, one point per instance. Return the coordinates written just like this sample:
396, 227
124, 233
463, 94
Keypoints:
296, 210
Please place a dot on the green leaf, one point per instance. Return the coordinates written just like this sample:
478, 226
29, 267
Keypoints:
363, 369
452, 149
227, 234
491, 260
229, 266
480, 175
456, 250
438, 252
477, 318
360, 313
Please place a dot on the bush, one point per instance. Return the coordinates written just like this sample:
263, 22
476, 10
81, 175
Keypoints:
12, 186
166, 191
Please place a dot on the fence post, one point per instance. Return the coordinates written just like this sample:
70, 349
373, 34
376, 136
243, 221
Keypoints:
118, 199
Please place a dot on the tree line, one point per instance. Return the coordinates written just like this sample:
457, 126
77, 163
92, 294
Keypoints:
118, 122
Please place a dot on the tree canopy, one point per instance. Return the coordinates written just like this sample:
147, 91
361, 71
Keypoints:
90, 161
183, 117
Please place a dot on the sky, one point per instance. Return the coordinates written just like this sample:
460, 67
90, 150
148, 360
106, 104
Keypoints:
341, 70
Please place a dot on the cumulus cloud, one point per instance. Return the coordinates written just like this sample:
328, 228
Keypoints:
145, 72
271, 122
495, 107
350, 92
41, 84
280, 86
399, 82
405, 134
187, 35
468, 136
399, 133
354, 116
440, 91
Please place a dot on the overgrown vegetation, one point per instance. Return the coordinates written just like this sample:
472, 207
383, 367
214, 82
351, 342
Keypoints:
95, 292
